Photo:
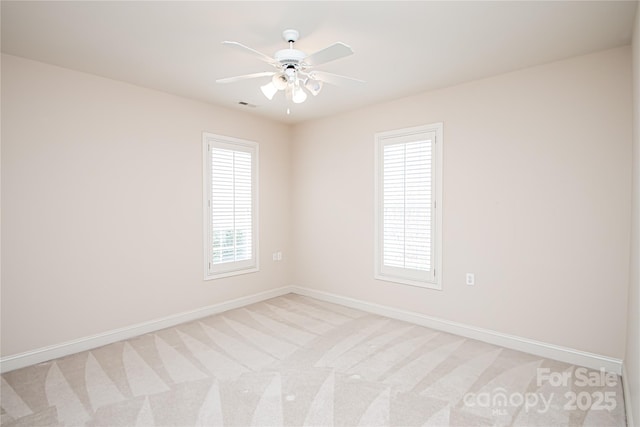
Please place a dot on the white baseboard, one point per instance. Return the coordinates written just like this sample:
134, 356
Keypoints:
549, 351
10, 363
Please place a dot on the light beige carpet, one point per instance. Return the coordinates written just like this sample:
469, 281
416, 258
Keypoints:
298, 361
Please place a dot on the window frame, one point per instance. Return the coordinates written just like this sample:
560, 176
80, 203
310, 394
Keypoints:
216, 271
399, 274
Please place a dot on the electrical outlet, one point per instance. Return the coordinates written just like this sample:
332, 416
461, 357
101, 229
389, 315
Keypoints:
471, 279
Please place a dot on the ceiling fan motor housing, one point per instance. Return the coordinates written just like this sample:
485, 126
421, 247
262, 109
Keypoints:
288, 57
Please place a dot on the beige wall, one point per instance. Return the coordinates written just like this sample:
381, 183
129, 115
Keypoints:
101, 200
632, 357
102, 204
537, 180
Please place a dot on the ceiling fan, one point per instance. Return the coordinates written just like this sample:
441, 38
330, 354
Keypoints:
295, 70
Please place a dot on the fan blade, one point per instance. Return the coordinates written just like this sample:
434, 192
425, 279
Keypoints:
245, 77
261, 55
335, 51
334, 79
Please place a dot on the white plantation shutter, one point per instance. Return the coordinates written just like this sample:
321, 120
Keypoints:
231, 206
406, 215
407, 205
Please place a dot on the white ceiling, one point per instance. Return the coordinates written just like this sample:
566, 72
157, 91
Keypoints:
400, 47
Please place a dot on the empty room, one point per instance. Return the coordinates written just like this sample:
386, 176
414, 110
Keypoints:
358, 213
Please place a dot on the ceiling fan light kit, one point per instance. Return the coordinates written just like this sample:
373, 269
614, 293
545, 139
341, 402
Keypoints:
269, 90
294, 69
313, 86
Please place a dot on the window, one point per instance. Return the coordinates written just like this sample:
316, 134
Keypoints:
230, 206
408, 206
